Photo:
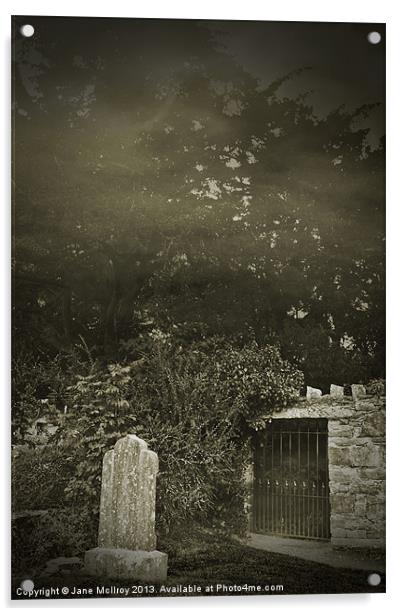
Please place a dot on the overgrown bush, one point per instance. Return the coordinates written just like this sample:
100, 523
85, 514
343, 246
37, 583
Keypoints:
193, 406
60, 532
39, 386
40, 476
376, 387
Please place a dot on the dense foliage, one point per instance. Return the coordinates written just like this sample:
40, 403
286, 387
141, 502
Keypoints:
57, 532
191, 195
194, 407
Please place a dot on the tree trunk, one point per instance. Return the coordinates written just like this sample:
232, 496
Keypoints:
109, 326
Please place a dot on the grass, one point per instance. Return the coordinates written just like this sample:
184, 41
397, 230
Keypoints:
232, 564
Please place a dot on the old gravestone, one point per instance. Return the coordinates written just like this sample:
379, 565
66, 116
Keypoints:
126, 539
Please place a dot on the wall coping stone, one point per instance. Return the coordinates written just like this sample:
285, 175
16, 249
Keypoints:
326, 406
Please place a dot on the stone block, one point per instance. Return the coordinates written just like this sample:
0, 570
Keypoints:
357, 534
373, 473
360, 505
121, 564
366, 455
336, 391
337, 430
362, 405
337, 532
376, 534
343, 474
340, 519
347, 521
342, 503
376, 510
342, 456
373, 487
378, 499
339, 488
369, 455
338, 441
312, 392
374, 424
358, 391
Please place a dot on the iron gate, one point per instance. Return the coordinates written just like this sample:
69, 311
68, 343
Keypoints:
291, 488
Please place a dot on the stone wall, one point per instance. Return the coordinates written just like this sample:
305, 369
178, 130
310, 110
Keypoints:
356, 457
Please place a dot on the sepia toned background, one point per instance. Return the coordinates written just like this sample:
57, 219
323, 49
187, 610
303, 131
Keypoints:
193, 201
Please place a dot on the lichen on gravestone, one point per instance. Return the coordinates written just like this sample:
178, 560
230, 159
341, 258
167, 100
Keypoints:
126, 538
127, 509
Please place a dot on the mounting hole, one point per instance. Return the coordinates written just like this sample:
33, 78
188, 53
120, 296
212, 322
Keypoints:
374, 38
374, 579
27, 585
27, 30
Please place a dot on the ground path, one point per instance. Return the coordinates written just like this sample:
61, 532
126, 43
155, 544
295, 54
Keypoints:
318, 551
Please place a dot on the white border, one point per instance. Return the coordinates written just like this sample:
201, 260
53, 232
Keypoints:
287, 10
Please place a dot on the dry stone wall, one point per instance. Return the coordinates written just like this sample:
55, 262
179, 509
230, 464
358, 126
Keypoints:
356, 459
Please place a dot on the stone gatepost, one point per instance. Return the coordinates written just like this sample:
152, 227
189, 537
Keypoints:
126, 536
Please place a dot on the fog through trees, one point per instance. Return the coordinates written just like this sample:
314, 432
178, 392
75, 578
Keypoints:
160, 186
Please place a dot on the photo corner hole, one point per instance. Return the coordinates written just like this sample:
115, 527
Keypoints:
374, 579
27, 30
27, 585
374, 37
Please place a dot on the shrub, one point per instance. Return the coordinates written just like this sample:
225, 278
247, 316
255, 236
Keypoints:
39, 477
194, 408
36, 539
376, 387
39, 386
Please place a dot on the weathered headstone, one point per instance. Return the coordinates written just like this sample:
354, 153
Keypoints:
358, 391
336, 391
105, 533
126, 536
312, 392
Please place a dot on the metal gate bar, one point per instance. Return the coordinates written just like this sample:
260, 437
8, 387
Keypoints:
291, 488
